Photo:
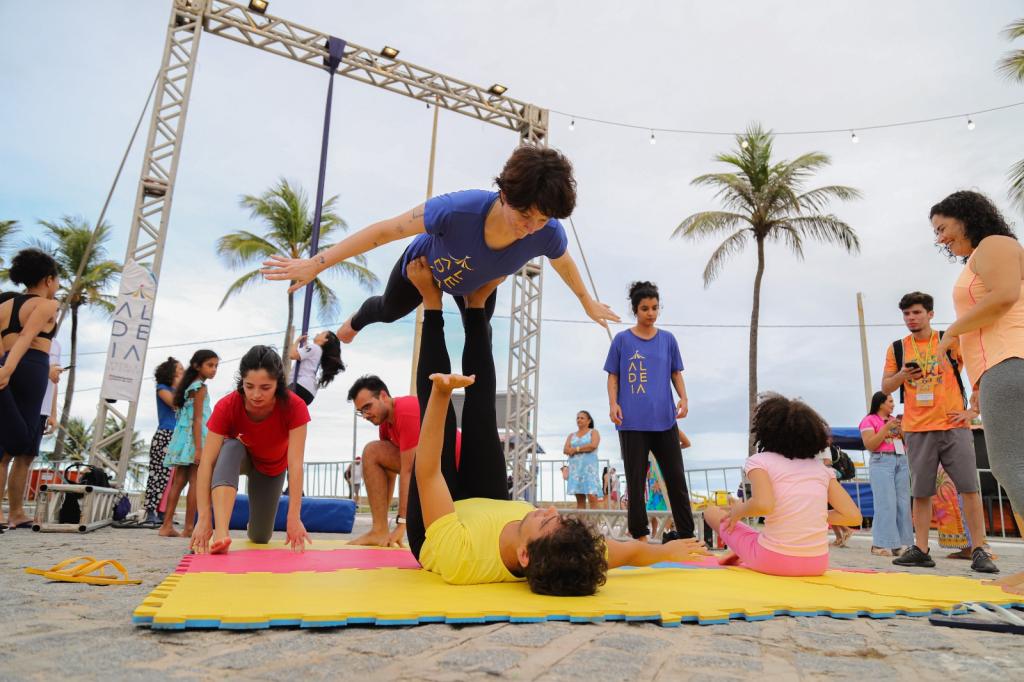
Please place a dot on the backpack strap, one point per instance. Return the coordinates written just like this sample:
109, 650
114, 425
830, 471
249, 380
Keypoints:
956, 373
897, 353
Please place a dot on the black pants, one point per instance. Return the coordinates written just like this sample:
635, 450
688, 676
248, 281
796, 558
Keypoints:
20, 403
401, 298
481, 471
301, 391
669, 456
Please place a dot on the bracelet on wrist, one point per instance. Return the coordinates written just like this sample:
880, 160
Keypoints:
399, 521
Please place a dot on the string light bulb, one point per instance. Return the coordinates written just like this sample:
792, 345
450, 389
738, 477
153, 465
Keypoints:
853, 137
970, 123
653, 141
572, 125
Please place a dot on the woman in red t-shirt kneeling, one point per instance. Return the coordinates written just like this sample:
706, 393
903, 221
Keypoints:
258, 430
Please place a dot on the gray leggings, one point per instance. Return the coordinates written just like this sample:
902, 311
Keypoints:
1002, 402
264, 491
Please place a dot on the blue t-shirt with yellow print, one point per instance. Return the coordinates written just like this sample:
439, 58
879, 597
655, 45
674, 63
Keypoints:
645, 368
454, 244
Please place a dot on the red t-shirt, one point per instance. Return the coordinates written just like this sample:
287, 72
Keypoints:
266, 440
405, 432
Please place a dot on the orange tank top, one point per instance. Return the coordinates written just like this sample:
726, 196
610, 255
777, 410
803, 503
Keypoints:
988, 346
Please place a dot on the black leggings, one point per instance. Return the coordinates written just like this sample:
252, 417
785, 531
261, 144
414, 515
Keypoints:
401, 298
669, 456
20, 403
481, 471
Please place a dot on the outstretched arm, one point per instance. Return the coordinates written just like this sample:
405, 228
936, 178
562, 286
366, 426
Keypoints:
566, 268
302, 271
435, 498
637, 553
296, 535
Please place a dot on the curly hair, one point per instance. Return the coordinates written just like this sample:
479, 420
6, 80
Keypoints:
31, 266
541, 177
788, 427
570, 562
917, 298
638, 291
164, 372
979, 216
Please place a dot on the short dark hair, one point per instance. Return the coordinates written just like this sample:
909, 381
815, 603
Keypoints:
788, 427
978, 214
917, 298
371, 382
164, 372
570, 562
876, 401
191, 374
31, 266
541, 177
590, 418
638, 291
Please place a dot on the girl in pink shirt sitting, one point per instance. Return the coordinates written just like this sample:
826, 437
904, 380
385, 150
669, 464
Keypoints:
791, 490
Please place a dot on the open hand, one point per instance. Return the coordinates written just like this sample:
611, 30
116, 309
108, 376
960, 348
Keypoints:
297, 537
682, 408
299, 271
684, 548
599, 312
397, 537
201, 535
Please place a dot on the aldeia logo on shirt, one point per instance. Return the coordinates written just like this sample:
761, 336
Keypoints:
637, 374
448, 271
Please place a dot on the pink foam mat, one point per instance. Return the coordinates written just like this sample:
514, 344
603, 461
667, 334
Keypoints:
287, 561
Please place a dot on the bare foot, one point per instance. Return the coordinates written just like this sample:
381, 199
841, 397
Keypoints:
478, 298
166, 532
186, 532
418, 272
1013, 590
345, 332
220, 546
372, 538
449, 382
1012, 580
730, 559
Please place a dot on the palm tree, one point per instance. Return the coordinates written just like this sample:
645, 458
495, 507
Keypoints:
71, 236
77, 441
766, 201
7, 228
1012, 66
286, 214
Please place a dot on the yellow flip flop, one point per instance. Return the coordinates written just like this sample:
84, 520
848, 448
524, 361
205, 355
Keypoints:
67, 565
94, 574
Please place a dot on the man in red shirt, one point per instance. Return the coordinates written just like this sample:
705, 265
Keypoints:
392, 455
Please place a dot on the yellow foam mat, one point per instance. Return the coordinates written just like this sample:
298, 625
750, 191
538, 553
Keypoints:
667, 595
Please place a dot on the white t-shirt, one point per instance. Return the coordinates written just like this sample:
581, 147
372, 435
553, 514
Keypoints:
357, 473
50, 386
309, 365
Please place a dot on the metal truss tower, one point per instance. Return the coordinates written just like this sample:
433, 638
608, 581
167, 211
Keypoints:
150, 218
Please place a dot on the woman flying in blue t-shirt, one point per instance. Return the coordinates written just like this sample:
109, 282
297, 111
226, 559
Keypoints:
468, 238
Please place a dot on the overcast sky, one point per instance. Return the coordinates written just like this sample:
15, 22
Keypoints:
75, 76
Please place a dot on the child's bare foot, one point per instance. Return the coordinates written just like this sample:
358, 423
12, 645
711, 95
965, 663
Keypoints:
478, 298
166, 532
220, 545
449, 382
418, 272
345, 332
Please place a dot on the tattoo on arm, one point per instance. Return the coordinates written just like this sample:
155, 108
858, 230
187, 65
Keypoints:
322, 260
417, 212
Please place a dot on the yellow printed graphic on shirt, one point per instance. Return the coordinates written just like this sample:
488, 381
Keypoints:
447, 270
636, 374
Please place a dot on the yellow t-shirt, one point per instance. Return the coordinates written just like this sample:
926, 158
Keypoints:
462, 547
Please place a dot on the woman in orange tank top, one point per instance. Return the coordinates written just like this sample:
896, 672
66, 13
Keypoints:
989, 301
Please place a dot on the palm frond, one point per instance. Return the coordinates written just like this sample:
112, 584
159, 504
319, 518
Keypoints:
240, 285
242, 248
816, 199
708, 223
326, 300
734, 243
790, 237
733, 190
1012, 65
827, 229
1016, 177
357, 271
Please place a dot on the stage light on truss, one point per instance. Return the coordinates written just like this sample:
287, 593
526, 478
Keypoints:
970, 123
572, 125
388, 52
258, 6
497, 89
853, 137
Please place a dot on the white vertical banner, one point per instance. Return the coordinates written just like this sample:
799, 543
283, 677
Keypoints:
129, 334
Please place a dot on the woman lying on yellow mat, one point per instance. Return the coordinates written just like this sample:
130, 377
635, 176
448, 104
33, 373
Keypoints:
462, 524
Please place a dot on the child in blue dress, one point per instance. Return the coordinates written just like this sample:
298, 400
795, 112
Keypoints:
189, 435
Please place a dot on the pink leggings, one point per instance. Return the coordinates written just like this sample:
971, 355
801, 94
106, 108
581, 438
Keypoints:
743, 541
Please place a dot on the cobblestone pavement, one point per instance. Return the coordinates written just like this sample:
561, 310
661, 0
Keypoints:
55, 630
